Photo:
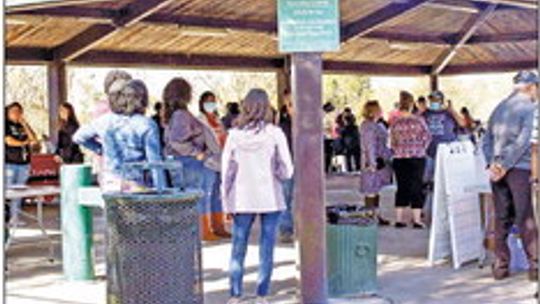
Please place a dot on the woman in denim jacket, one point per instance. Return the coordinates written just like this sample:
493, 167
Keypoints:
124, 136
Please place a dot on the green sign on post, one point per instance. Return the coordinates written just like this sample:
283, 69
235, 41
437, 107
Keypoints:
308, 25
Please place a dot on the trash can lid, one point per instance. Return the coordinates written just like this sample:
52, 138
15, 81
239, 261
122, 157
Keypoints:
168, 195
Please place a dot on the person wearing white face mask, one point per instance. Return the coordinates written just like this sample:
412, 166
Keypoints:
208, 108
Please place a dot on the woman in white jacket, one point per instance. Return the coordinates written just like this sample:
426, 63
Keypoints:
256, 160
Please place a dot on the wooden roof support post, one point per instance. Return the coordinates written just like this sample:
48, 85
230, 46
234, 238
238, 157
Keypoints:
309, 194
57, 94
372, 21
97, 33
467, 32
536, 192
434, 82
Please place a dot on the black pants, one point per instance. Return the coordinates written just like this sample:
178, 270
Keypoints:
513, 205
352, 159
409, 175
328, 154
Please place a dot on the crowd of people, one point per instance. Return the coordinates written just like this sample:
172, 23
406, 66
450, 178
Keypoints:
402, 146
243, 161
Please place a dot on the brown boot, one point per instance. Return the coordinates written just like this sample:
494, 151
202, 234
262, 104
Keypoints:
206, 229
499, 271
372, 202
533, 275
218, 225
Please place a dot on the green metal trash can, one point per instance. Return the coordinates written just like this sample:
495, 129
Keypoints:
351, 239
153, 248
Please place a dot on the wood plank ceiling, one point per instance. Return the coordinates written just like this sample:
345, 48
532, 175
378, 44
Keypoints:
385, 36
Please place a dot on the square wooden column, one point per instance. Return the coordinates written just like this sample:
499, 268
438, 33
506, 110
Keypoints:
536, 193
309, 195
434, 82
57, 94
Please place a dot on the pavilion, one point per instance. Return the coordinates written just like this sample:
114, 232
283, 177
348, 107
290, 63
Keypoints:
383, 37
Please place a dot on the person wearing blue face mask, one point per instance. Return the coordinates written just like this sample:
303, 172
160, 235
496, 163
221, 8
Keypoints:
443, 123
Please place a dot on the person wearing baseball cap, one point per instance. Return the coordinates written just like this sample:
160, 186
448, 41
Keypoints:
507, 148
443, 123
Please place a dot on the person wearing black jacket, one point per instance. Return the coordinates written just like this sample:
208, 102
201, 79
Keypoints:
350, 138
67, 151
18, 140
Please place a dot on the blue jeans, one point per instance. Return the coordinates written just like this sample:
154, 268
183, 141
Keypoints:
16, 175
215, 200
240, 236
286, 220
195, 176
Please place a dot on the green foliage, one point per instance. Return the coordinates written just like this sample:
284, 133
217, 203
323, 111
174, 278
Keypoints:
28, 86
346, 91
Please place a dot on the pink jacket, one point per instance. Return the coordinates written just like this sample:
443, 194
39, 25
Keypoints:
254, 164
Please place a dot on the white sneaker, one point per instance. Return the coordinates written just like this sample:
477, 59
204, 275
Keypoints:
234, 301
262, 300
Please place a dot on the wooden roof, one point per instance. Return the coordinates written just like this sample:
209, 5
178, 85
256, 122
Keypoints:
380, 37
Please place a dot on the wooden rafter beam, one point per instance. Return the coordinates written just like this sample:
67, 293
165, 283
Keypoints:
104, 15
14, 6
132, 13
138, 59
27, 55
495, 67
524, 4
374, 20
17, 55
406, 38
503, 38
474, 6
374, 68
467, 32
141, 59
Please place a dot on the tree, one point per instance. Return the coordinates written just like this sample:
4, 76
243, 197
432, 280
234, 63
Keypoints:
27, 85
346, 91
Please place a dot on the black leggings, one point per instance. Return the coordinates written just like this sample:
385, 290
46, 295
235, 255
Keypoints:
409, 175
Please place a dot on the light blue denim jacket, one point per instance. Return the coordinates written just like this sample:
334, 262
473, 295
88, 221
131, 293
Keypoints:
508, 136
123, 139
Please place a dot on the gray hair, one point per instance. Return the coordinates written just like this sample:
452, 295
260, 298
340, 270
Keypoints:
117, 104
113, 76
139, 102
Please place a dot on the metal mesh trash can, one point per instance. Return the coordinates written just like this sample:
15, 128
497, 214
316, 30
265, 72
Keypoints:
351, 239
153, 248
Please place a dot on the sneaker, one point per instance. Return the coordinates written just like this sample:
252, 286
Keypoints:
400, 225
382, 221
419, 226
234, 300
261, 300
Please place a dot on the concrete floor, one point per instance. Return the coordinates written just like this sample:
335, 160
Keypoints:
404, 273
